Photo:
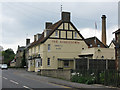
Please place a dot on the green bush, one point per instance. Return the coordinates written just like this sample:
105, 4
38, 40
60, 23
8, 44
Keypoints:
83, 79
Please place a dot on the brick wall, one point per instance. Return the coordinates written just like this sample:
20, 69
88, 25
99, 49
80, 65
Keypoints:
57, 73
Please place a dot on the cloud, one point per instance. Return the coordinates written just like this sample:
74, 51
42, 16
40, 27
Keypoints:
29, 18
90, 32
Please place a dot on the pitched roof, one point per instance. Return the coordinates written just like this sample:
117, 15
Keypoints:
91, 41
52, 28
117, 31
42, 38
113, 41
21, 48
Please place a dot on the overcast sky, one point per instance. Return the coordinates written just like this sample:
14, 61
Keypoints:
21, 20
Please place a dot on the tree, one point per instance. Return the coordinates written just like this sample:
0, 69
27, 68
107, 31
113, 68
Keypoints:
8, 55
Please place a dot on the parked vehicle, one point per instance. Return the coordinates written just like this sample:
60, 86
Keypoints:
0, 65
4, 66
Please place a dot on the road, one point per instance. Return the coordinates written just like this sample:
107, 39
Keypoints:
18, 79
21, 79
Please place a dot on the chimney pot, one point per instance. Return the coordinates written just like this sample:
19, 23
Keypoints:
35, 38
65, 16
48, 24
103, 16
38, 36
27, 41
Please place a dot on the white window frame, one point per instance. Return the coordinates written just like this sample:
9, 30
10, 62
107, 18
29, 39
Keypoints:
37, 61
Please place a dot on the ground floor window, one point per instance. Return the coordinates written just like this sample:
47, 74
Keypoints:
66, 63
41, 61
38, 64
48, 62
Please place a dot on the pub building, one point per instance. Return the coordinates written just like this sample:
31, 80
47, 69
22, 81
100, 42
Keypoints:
61, 43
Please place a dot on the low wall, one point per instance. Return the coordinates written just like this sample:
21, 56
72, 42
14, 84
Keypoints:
57, 73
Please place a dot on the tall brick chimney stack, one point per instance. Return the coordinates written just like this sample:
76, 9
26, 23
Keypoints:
27, 41
65, 16
103, 29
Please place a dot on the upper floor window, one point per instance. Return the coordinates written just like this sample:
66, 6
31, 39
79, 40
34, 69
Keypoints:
75, 34
48, 47
56, 33
98, 45
90, 45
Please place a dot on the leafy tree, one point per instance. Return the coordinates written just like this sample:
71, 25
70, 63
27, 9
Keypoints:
8, 55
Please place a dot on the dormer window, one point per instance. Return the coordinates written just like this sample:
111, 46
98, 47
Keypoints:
98, 45
56, 33
90, 45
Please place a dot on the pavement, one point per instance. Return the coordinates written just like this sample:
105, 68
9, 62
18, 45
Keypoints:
31, 80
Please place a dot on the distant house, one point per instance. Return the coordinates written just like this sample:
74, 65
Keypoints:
27, 51
19, 55
97, 50
112, 44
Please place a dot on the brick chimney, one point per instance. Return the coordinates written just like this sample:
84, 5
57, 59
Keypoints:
65, 16
48, 24
38, 36
47, 30
35, 38
27, 41
103, 29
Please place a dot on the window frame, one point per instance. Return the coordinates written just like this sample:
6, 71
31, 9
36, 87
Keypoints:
48, 61
67, 64
75, 35
56, 33
49, 48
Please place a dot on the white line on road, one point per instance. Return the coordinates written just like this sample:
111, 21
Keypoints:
13, 82
5, 78
27, 87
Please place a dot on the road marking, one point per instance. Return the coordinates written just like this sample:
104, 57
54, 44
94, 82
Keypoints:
14, 82
5, 78
27, 87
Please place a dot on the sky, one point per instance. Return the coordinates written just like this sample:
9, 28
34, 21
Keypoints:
21, 20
